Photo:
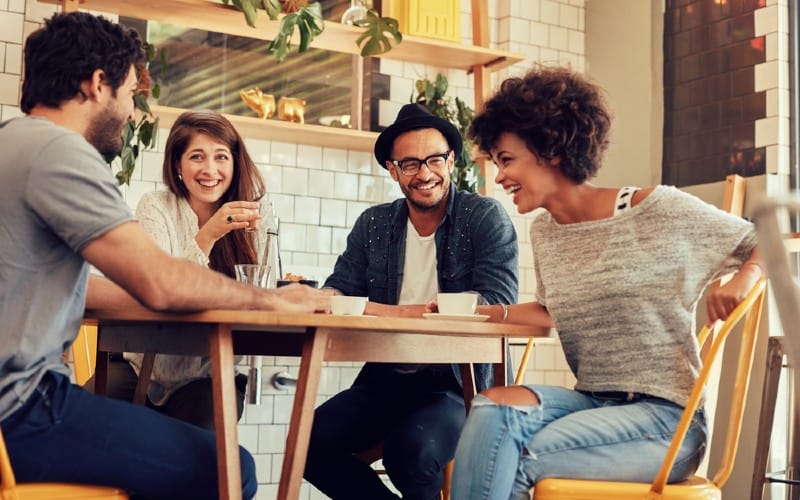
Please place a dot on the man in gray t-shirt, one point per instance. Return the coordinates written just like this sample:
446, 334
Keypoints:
59, 211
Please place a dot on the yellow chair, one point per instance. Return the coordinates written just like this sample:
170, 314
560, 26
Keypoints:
695, 487
84, 353
10, 490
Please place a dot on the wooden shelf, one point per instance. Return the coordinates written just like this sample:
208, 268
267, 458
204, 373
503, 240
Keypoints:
283, 131
216, 17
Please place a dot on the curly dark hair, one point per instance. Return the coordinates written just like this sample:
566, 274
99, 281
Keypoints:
557, 112
236, 247
68, 49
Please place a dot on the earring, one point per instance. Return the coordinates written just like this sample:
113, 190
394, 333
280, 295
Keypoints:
180, 177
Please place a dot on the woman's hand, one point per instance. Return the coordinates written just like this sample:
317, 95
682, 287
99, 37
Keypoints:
432, 306
229, 217
722, 301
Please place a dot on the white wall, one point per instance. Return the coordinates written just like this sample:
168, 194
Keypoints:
624, 41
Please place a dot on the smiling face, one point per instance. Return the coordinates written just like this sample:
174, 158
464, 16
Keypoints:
427, 189
105, 131
207, 171
529, 179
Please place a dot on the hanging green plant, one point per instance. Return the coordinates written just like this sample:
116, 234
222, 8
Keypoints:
431, 94
140, 133
307, 19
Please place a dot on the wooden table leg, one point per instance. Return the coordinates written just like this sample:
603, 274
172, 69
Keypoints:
769, 394
294, 460
501, 368
225, 419
101, 372
468, 383
143, 382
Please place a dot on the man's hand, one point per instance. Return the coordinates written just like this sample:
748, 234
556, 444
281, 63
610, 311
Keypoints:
302, 298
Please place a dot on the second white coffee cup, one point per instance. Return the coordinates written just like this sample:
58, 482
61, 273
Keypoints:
457, 303
352, 306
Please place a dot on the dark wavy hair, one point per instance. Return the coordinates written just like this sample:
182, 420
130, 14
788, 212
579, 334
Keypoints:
236, 247
68, 49
557, 112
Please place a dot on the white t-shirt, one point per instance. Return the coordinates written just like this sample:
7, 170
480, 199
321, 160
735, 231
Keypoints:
420, 280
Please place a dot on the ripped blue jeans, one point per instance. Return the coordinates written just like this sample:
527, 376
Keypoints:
504, 451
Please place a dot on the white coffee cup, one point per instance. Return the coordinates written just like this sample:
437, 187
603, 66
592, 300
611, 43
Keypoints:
345, 305
457, 303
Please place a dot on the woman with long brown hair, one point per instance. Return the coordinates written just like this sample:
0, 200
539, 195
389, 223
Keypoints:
209, 214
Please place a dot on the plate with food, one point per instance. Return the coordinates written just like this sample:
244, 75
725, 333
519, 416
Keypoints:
297, 278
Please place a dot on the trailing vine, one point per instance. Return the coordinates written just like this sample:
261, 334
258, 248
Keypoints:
139, 133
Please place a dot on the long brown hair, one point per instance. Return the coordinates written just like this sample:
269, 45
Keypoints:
236, 247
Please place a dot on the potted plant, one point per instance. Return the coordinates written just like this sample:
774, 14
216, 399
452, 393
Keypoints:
431, 94
306, 18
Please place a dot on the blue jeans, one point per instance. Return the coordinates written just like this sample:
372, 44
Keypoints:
64, 433
416, 417
504, 451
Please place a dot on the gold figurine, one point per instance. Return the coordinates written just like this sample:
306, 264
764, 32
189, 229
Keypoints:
291, 109
262, 104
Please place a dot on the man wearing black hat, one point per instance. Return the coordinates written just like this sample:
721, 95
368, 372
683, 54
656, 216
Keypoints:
400, 254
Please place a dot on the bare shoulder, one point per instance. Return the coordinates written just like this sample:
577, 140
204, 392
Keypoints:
641, 194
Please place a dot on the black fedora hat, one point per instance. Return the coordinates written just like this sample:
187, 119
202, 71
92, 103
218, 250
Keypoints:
413, 117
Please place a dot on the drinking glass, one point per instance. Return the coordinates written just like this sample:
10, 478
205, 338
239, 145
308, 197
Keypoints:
253, 274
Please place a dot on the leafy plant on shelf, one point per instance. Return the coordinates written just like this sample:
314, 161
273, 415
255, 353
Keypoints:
431, 94
139, 133
306, 18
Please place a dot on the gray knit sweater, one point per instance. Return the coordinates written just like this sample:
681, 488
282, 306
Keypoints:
623, 291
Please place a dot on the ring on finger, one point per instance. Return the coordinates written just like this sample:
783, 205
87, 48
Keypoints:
229, 219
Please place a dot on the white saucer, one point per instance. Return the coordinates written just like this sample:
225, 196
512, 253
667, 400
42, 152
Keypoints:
456, 317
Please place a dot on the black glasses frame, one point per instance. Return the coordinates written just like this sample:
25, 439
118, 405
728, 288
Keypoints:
410, 166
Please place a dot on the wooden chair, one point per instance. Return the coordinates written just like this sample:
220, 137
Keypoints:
84, 353
776, 247
695, 487
10, 490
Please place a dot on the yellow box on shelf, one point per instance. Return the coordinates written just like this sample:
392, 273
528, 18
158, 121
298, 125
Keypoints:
439, 19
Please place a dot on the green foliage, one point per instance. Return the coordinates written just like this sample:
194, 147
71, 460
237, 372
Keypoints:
139, 133
431, 94
308, 22
373, 41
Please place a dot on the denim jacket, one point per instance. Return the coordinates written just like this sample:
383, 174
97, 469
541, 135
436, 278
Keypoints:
476, 250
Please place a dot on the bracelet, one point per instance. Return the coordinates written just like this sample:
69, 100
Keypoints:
505, 312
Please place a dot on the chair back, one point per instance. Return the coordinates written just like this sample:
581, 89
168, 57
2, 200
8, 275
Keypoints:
84, 352
774, 253
7, 480
749, 310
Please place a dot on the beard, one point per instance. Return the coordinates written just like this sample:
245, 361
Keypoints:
105, 133
427, 205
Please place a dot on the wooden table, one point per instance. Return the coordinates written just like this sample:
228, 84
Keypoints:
314, 337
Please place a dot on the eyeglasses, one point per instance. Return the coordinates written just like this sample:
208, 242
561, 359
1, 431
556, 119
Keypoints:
410, 166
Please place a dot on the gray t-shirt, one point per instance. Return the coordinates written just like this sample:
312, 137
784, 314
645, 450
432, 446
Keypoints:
623, 290
56, 195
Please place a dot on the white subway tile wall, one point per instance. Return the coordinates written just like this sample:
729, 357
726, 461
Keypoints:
319, 192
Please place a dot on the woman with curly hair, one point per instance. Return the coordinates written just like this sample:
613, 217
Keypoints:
619, 272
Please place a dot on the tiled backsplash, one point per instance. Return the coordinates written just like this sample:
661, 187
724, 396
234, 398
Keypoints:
710, 100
